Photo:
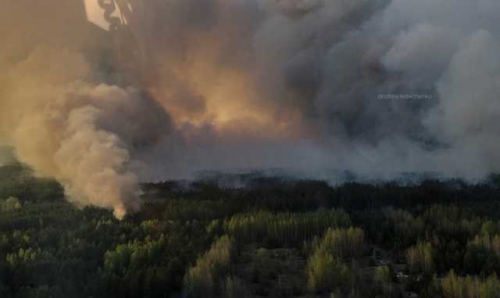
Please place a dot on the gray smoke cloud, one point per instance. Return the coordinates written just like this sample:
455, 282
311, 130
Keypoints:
374, 87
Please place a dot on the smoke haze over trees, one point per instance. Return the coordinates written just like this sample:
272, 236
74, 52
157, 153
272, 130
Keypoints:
374, 87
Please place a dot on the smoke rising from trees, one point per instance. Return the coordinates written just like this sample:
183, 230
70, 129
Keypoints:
374, 87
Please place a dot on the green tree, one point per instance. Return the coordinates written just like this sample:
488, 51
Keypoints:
420, 258
207, 277
326, 267
345, 244
383, 281
454, 286
326, 273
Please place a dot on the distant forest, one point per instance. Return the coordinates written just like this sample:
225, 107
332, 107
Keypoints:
260, 237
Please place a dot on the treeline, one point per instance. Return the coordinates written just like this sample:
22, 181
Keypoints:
18, 181
283, 228
283, 195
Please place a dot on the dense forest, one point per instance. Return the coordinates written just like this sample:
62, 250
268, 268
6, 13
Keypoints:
253, 236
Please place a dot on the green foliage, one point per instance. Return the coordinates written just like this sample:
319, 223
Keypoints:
11, 204
135, 255
176, 243
326, 269
284, 228
235, 288
452, 221
263, 265
402, 227
420, 258
18, 181
344, 244
383, 281
51, 249
454, 286
483, 254
207, 278
382, 275
490, 228
325, 273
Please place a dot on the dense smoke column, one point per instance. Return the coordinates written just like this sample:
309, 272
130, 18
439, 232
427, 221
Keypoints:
83, 133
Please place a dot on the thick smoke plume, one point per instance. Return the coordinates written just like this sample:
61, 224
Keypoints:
376, 87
